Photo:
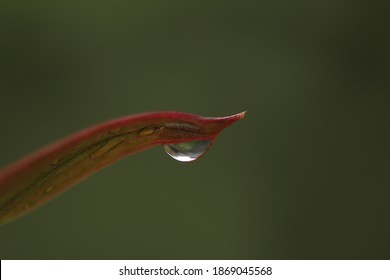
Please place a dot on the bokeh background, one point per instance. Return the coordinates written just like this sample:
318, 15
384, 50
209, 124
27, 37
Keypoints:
304, 176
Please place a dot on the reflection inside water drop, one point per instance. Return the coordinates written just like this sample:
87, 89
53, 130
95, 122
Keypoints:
187, 151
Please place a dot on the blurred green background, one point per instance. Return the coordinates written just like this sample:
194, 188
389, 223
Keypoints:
304, 176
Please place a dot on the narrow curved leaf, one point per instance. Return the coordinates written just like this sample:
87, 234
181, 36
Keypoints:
38, 178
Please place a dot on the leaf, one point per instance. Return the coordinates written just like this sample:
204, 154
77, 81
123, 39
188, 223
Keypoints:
38, 178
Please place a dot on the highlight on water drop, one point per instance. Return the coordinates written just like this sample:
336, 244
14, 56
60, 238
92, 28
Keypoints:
188, 151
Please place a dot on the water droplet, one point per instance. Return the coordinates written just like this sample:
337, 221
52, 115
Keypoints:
146, 131
108, 145
188, 151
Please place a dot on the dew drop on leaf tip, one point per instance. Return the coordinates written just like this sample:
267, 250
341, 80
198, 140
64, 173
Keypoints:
187, 151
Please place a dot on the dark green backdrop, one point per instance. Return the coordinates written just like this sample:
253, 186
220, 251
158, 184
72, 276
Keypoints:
304, 175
